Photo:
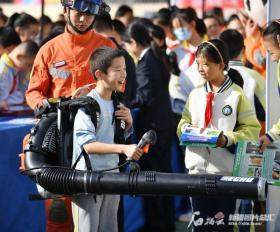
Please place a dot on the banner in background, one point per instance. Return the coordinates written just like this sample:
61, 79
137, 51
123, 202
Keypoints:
36, 2
209, 4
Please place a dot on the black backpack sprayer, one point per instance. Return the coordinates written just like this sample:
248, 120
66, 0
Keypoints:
48, 163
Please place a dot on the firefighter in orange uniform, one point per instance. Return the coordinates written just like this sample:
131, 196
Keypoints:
61, 68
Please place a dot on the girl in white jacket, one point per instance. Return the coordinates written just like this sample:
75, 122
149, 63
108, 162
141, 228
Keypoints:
219, 103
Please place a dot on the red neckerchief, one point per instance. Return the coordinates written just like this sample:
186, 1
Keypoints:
208, 108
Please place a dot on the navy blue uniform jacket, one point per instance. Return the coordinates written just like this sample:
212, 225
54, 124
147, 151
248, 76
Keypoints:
152, 96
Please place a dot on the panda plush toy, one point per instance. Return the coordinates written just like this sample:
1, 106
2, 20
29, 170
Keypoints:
257, 10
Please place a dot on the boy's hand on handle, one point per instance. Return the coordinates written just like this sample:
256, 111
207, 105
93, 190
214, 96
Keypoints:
132, 151
221, 142
264, 142
123, 113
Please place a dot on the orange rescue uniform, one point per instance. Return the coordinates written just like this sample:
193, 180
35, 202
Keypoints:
62, 65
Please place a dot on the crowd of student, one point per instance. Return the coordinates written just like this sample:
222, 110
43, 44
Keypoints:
177, 69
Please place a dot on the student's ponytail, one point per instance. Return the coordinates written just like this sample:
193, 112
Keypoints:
235, 76
200, 27
160, 52
161, 56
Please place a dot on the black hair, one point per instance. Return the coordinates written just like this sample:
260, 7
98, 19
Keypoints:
210, 52
144, 21
160, 52
157, 31
140, 34
234, 41
59, 23
232, 18
211, 17
163, 16
57, 30
191, 11
272, 30
102, 58
103, 22
123, 10
3, 17
188, 15
118, 26
8, 37
218, 12
30, 48
12, 19
24, 21
45, 20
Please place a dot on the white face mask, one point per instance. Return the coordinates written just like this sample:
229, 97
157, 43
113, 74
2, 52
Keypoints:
182, 33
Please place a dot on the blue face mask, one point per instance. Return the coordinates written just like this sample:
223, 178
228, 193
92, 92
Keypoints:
182, 34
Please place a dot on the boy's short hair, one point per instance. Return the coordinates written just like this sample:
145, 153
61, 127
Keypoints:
102, 58
8, 37
234, 41
103, 22
123, 10
29, 48
118, 26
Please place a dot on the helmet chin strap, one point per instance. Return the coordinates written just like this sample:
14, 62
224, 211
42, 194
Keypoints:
75, 28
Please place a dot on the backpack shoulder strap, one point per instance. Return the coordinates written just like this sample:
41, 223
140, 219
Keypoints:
92, 108
117, 98
90, 105
87, 161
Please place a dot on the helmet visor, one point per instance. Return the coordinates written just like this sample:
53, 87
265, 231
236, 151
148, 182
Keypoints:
87, 6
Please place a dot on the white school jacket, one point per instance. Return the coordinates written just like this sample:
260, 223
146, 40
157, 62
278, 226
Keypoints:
232, 113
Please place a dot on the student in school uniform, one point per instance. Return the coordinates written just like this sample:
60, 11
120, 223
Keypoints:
220, 104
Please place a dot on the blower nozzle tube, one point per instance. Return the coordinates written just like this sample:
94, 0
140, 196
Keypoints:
69, 182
